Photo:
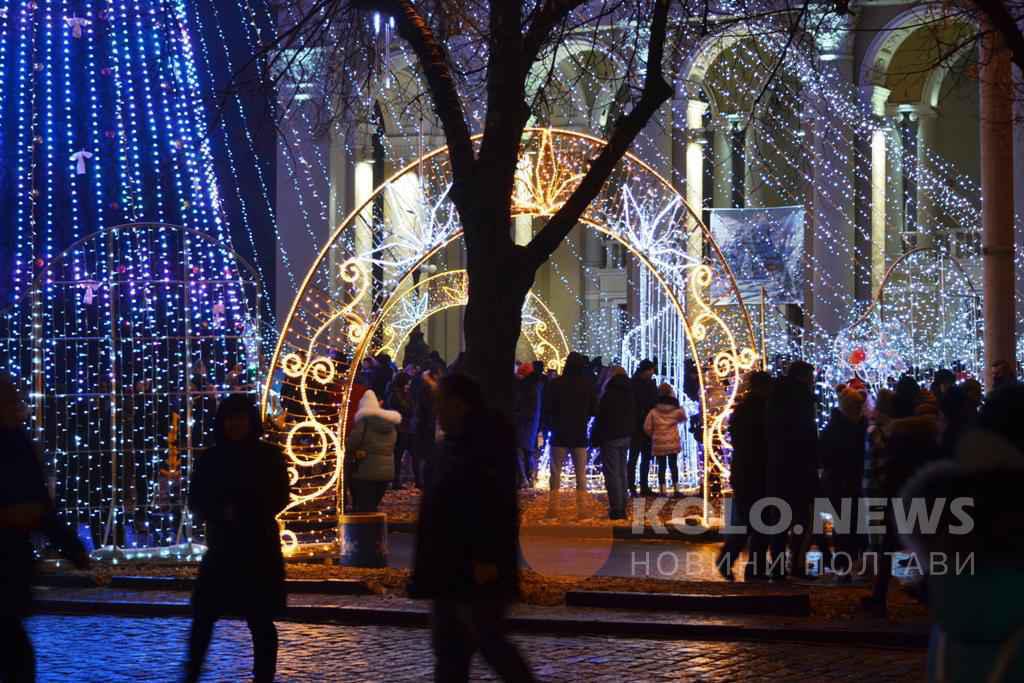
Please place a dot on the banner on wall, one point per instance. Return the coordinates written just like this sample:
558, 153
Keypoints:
765, 248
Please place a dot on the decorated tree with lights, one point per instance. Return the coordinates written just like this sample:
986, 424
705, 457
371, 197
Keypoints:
125, 307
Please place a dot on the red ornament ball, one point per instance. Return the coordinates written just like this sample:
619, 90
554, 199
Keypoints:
858, 356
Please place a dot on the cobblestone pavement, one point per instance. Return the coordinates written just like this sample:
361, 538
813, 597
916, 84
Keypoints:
113, 649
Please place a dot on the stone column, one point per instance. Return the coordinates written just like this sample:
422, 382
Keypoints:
878, 97
722, 155
832, 215
695, 173
927, 216
997, 239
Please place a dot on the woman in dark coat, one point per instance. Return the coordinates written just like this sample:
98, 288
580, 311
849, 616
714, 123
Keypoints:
238, 488
569, 402
612, 431
25, 509
842, 458
747, 429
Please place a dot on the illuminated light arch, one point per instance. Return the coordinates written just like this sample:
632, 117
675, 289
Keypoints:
450, 289
926, 308
406, 223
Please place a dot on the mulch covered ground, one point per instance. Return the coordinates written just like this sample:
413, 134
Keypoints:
401, 506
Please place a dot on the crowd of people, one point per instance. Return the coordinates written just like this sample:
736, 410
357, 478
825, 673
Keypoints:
469, 456
873, 445
630, 422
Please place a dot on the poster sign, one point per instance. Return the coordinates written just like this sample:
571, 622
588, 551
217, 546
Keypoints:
765, 248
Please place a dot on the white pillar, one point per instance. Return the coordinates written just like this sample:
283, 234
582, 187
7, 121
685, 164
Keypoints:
878, 97
695, 171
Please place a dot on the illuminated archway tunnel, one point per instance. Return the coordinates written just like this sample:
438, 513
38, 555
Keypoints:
409, 222
450, 289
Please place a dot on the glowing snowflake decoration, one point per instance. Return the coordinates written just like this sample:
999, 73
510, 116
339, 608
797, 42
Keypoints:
656, 231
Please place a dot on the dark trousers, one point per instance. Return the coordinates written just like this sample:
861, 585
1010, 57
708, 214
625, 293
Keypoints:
264, 646
613, 463
640, 449
527, 461
802, 517
403, 445
19, 663
460, 629
673, 464
366, 495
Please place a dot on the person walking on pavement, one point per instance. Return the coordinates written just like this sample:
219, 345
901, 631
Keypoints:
645, 395
569, 402
662, 426
612, 431
841, 449
466, 544
747, 430
25, 509
238, 488
371, 445
792, 472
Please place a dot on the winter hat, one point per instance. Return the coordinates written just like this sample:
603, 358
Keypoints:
369, 406
666, 390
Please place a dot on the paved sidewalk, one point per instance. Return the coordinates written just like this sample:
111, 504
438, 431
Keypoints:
119, 649
398, 611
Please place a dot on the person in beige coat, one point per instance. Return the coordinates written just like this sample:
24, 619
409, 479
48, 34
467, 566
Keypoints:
662, 425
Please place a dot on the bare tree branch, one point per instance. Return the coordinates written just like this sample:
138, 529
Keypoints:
998, 17
433, 59
656, 91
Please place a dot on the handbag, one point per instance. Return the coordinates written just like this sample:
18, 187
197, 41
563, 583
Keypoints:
356, 454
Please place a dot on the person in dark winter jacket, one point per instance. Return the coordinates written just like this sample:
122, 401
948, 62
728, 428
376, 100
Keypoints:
466, 545
569, 402
747, 432
238, 488
841, 449
372, 445
645, 395
909, 442
400, 400
424, 421
792, 452
527, 415
976, 614
382, 374
25, 508
612, 431
416, 350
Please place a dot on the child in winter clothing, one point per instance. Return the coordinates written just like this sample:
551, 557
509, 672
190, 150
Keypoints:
370, 448
662, 425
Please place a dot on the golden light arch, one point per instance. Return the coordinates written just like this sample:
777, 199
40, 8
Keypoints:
405, 224
450, 289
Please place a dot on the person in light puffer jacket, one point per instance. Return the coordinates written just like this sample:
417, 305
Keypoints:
662, 425
371, 445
